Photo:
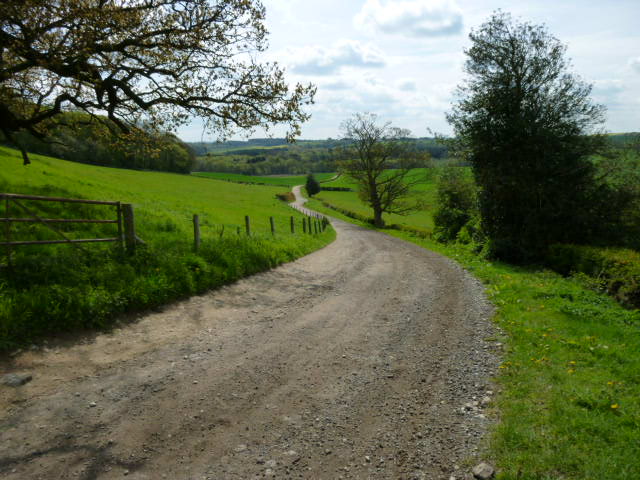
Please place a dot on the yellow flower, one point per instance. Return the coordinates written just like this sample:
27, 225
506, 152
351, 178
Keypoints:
571, 370
615, 406
610, 383
572, 362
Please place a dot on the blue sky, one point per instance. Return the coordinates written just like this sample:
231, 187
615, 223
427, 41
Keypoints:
402, 59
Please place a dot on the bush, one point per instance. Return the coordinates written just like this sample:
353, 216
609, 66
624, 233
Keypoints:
312, 185
288, 197
457, 203
616, 269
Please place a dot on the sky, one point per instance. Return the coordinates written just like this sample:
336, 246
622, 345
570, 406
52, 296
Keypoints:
402, 59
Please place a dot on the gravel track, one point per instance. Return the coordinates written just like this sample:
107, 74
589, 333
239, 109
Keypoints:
370, 358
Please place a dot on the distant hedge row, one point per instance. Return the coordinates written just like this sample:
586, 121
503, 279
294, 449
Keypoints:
616, 269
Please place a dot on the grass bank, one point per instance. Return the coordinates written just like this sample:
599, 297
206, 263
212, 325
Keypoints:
52, 289
569, 401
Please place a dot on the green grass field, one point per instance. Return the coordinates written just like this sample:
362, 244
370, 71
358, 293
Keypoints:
284, 181
57, 288
426, 192
569, 392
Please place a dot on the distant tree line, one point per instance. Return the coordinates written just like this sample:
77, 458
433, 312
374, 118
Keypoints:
75, 136
275, 156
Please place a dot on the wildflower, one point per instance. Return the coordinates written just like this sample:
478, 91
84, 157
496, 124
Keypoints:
570, 371
615, 406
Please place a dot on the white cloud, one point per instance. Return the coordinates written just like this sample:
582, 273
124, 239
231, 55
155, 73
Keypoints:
634, 63
413, 18
326, 61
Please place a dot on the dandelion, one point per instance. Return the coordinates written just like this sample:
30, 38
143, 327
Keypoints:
615, 406
610, 383
572, 362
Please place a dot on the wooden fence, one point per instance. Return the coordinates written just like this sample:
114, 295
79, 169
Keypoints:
312, 223
14, 208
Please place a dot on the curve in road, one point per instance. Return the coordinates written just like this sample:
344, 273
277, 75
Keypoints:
370, 358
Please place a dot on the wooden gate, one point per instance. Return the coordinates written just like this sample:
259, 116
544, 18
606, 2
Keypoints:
123, 219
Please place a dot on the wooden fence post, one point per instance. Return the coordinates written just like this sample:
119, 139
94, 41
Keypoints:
129, 228
273, 226
293, 225
7, 231
304, 225
196, 233
247, 224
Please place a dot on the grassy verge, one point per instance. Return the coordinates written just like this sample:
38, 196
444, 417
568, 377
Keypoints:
569, 403
52, 289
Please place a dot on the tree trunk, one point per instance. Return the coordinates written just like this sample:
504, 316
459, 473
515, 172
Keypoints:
377, 218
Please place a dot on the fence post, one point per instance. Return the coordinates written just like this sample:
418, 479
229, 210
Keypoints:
120, 231
315, 226
247, 224
273, 226
129, 228
7, 232
293, 225
196, 232
304, 225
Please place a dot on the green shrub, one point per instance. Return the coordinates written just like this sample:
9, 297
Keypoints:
616, 269
457, 203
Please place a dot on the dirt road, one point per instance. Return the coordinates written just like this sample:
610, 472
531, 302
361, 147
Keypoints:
353, 362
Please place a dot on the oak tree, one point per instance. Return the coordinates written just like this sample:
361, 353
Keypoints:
157, 63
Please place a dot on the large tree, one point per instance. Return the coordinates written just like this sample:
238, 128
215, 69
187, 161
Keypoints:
379, 157
528, 127
156, 63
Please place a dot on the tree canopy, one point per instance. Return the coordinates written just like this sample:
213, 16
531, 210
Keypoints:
153, 62
528, 127
379, 157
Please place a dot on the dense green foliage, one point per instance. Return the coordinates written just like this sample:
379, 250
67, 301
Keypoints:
77, 137
312, 185
457, 202
614, 270
51, 289
526, 123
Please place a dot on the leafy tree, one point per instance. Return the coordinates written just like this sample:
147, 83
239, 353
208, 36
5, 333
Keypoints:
527, 124
157, 62
312, 185
379, 157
